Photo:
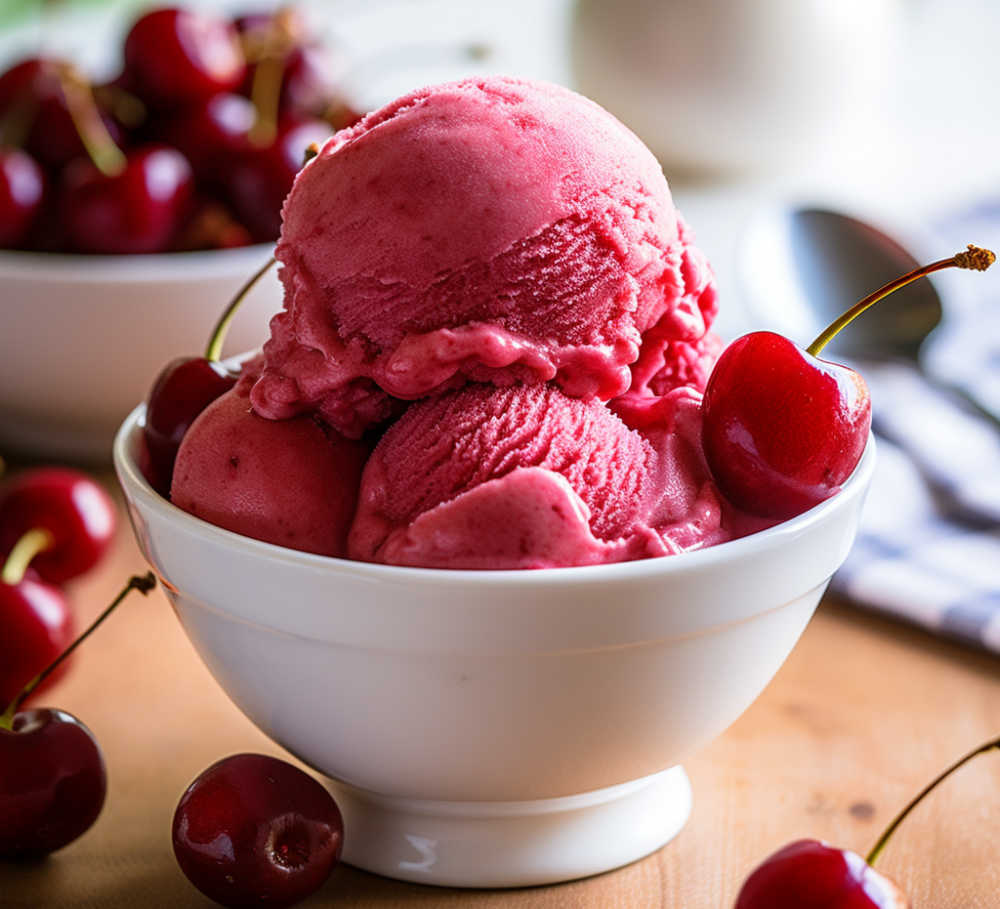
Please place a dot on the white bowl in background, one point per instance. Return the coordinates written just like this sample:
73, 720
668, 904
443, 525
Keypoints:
83, 337
494, 728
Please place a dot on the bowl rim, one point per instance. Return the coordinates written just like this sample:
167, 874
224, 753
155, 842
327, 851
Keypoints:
97, 268
136, 488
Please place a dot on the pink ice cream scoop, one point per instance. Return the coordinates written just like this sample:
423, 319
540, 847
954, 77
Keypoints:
492, 230
528, 477
290, 482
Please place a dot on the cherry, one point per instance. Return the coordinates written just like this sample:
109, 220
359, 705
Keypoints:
808, 874
37, 626
259, 179
782, 430
176, 58
22, 188
135, 210
182, 390
211, 133
52, 776
253, 830
64, 518
34, 104
52, 782
310, 74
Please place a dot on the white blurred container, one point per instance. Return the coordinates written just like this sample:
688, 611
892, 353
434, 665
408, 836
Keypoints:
724, 86
83, 337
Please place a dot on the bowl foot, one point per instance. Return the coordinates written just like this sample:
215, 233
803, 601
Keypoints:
512, 844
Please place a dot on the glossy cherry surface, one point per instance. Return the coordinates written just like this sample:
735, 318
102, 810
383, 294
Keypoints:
52, 782
36, 625
183, 389
808, 874
72, 507
259, 180
22, 190
177, 57
782, 429
253, 830
211, 133
136, 211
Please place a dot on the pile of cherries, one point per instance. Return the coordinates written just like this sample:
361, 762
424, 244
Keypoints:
194, 145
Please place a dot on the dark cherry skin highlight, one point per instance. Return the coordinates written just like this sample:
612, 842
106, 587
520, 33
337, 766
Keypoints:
253, 830
22, 191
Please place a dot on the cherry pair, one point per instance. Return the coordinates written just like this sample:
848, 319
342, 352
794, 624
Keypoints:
55, 524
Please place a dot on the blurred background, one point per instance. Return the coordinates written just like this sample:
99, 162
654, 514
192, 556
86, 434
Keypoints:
818, 149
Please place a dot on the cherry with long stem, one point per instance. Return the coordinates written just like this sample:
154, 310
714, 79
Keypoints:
783, 429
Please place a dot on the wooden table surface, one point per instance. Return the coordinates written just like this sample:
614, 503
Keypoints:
864, 712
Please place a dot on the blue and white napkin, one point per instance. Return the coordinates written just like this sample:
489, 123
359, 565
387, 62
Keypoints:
929, 546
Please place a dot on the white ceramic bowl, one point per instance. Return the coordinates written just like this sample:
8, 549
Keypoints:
491, 728
83, 337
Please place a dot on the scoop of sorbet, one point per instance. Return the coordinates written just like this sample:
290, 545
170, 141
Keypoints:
491, 230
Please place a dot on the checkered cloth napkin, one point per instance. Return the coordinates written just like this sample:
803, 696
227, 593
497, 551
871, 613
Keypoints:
929, 546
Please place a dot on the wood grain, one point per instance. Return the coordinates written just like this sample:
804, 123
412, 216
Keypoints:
862, 714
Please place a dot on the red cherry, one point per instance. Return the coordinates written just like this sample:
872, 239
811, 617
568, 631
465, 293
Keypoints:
52, 782
211, 133
37, 626
808, 874
71, 507
260, 178
22, 188
177, 57
253, 830
184, 388
135, 211
31, 94
782, 430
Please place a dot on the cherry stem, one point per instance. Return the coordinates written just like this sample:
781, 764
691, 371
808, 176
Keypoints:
213, 352
884, 838
108, 158
25, 549
143, 584
270, 52
973, 257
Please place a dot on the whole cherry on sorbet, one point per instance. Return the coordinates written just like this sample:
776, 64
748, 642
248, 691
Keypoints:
175, 58
62, 516
22, 189
52, 775
182, 390
253, 830
136, 208
783, 429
